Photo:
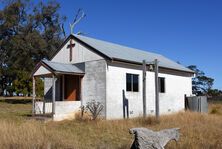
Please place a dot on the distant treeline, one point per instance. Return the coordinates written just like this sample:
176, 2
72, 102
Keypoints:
29, 32
202, 84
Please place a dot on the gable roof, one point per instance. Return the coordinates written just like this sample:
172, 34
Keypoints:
118, 52
59, 68
64, 68
123, 53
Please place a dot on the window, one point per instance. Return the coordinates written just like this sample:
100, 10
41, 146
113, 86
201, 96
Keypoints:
161, 85
132, 82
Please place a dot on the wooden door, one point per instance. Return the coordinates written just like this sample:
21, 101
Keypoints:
72, 88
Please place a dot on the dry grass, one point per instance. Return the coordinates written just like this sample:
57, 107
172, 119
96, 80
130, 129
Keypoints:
198, 131
15, 97
216, 108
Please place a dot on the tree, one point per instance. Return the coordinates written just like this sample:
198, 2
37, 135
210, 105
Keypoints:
214, 92
201, 84
28, 33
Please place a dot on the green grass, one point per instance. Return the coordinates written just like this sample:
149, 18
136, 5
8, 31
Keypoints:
14, 111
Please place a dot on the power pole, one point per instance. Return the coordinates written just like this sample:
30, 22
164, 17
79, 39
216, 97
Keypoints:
157, 88
144, 88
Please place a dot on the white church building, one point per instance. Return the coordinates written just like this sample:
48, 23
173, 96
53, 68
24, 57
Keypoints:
85, 69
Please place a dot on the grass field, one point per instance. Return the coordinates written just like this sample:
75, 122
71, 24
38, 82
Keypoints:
18, 130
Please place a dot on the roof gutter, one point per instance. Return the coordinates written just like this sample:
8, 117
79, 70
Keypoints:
69, 73
140, 63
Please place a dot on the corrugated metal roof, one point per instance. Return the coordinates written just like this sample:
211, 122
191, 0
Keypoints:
66, 68
116, 51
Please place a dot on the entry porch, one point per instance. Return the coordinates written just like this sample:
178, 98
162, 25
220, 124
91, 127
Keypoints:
62, 90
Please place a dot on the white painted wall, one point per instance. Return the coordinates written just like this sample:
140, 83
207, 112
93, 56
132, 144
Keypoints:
79, 54
94, 83
116, 82
176, 87
171, 101
63, 109
39, 107
66, 110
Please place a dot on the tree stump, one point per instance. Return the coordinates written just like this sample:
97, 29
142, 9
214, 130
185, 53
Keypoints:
148, 139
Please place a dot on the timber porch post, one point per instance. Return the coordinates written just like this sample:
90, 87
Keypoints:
53, 95
33, 96
63, 87
43, 108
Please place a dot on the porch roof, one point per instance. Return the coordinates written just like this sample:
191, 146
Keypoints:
46, 67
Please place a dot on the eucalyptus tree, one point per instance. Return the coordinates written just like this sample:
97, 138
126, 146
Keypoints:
29, 32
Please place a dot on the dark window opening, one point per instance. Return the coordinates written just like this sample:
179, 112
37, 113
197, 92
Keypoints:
161, 85
128, 82
132, 82
135, 83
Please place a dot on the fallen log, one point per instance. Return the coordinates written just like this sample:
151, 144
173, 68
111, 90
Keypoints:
148, 139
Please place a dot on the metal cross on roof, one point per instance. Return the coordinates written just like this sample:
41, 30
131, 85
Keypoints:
70, 46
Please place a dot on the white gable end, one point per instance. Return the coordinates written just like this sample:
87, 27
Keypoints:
79, 54
41, 71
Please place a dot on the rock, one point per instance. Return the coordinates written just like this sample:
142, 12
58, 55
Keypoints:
148, 139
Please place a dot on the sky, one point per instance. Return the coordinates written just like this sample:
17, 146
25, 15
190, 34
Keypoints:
187, 31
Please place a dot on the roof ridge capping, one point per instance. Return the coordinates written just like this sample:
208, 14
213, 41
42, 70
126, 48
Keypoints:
121, 52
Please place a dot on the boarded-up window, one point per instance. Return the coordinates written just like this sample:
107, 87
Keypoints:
132, 82
162, 85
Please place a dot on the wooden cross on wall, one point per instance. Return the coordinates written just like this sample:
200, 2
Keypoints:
70, 46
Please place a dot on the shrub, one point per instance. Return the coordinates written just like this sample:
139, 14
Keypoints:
94, 108
214, 111
83, 110
82, 114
